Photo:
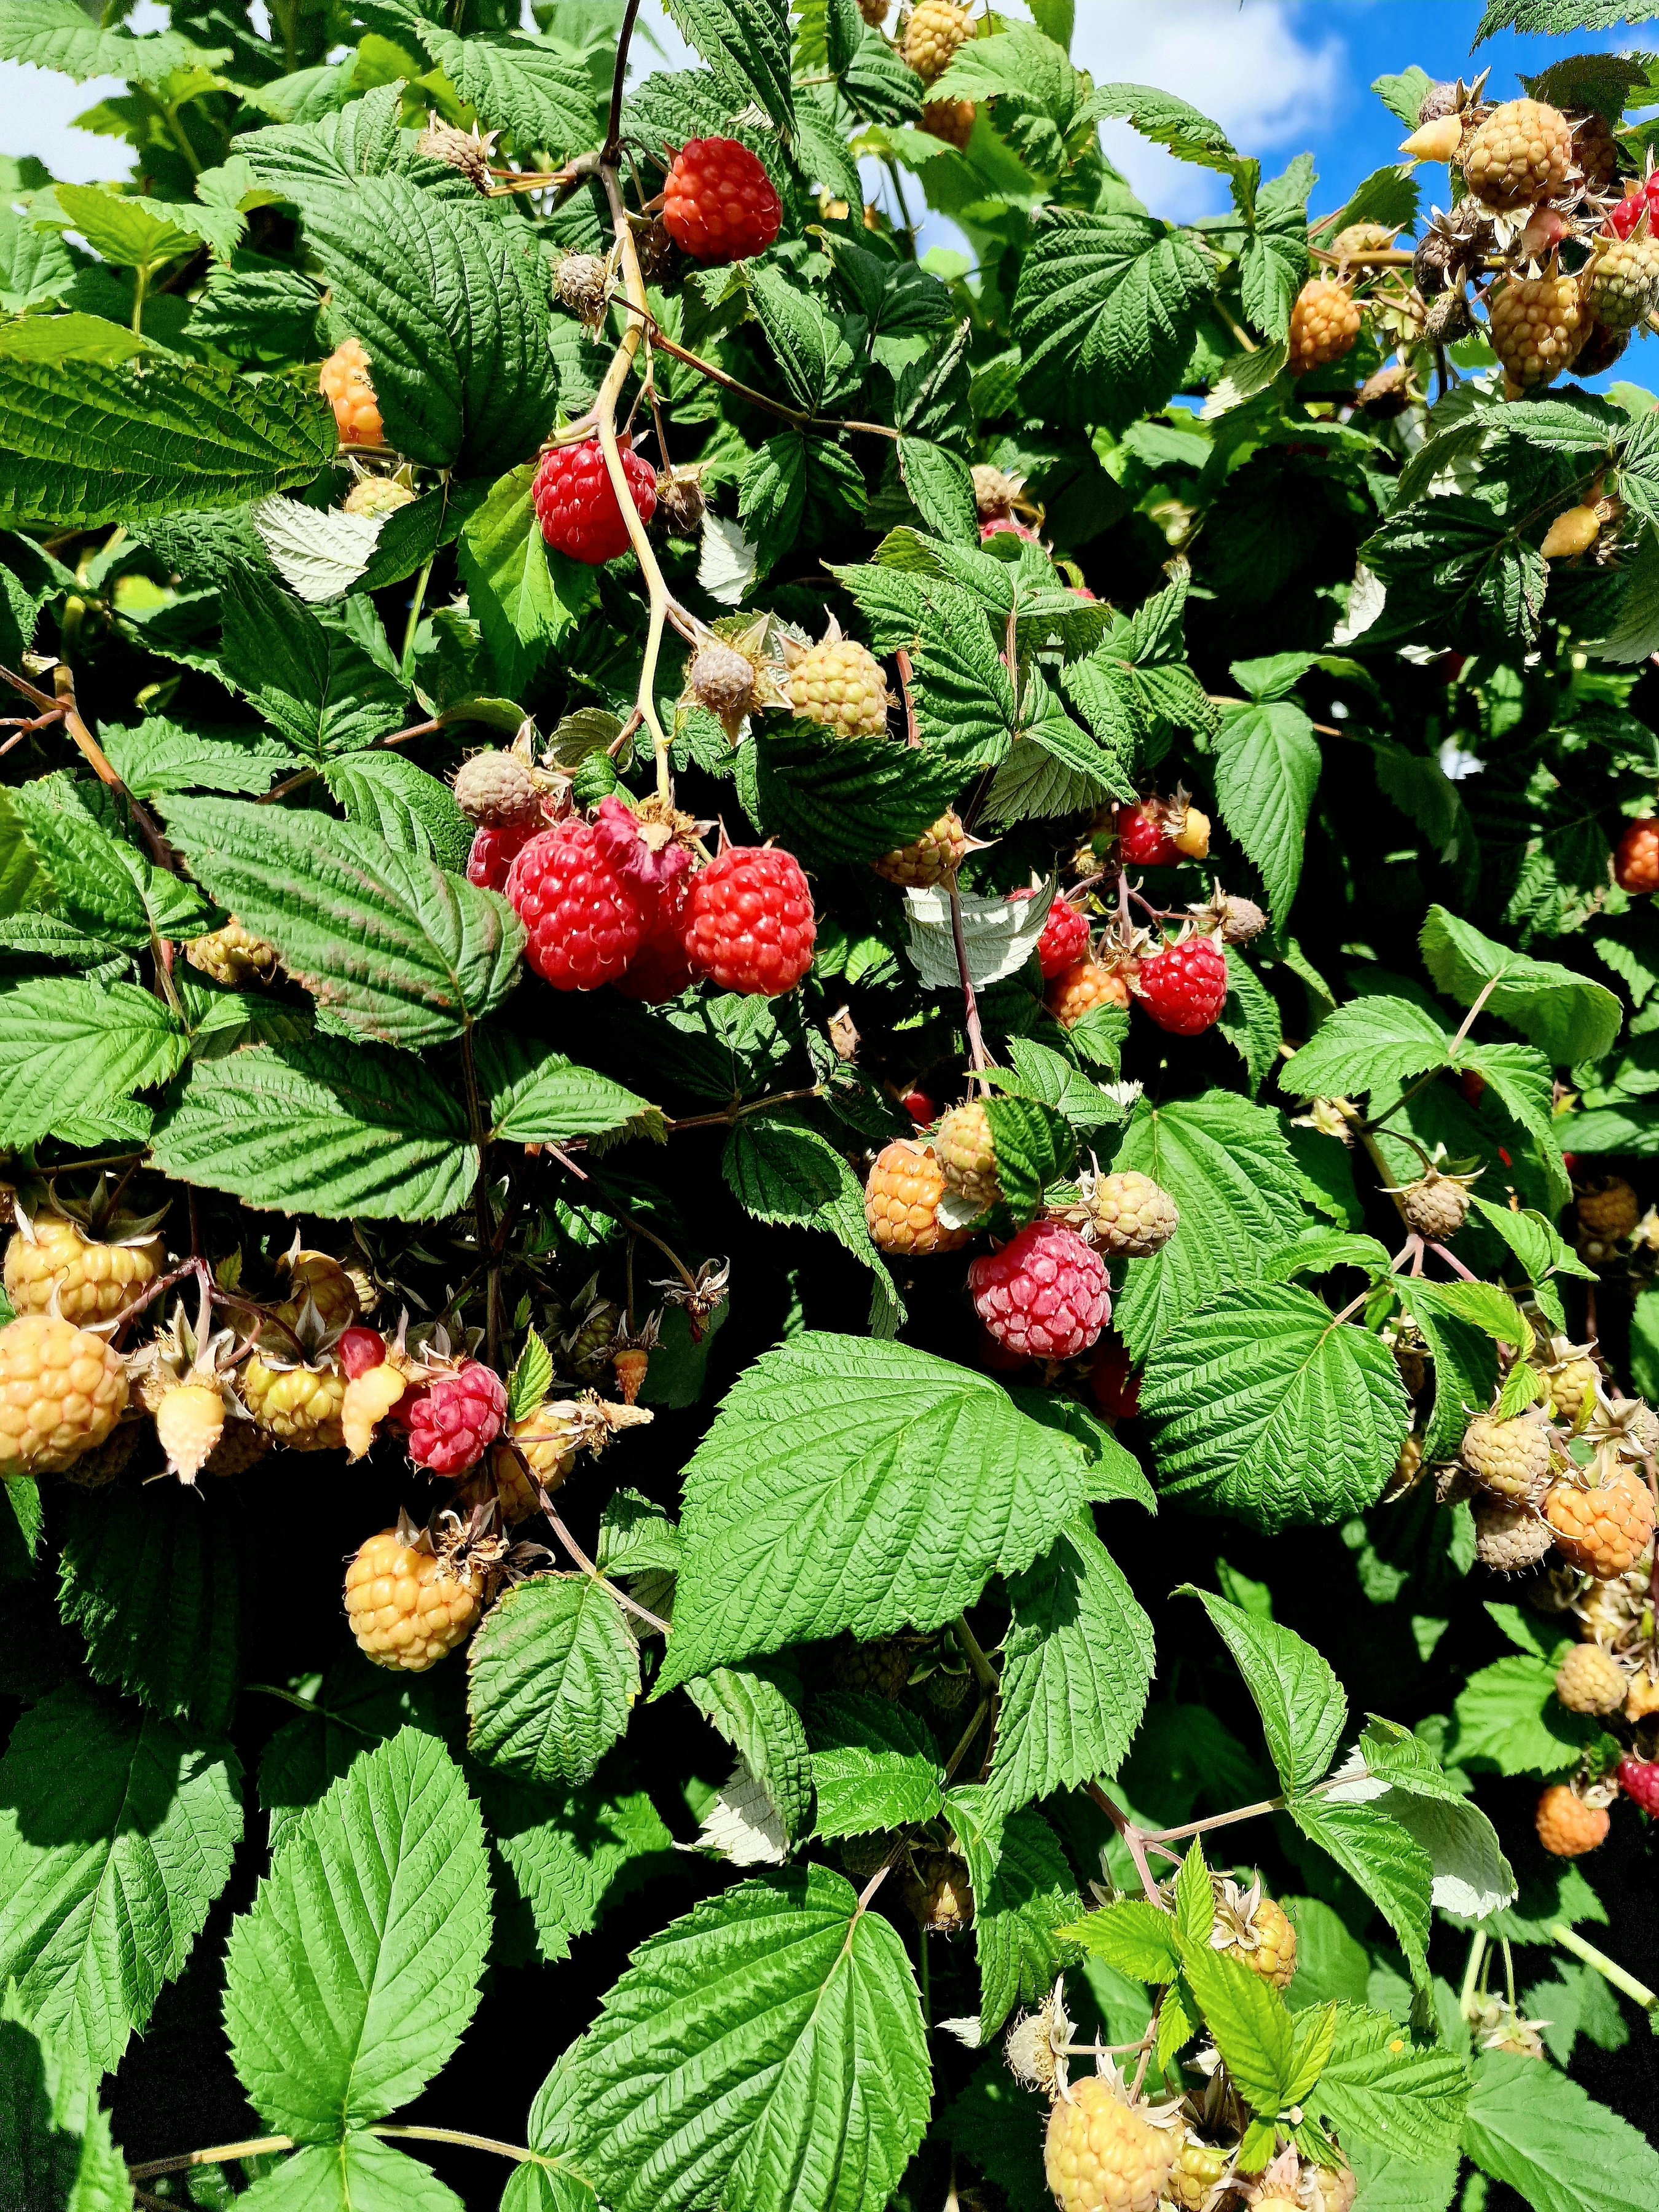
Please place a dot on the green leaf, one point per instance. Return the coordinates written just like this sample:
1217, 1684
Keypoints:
1020, 1906
1472, 1877
1509, 1714
358, 2174
783, 2009
1035, 1150
1263, 1403
1132, 1935
1167, 121
1274, 261
762, 1724
117, 1830
941, 486
854, 799
525, 597
540, 1097
68, 1049
1229, 1168
1302, 1704
811, 346
56, 2151
873, 1766
56, 34
534, 91
551, 1676
352, 1977
414, 812
745, 44
1560, 2151
570, 1853
118, 444
1077, 1667
781, 1171
811, 1505
157, 755
395, 948
25, 882
1369, 1044
451, 309
1247, 2018
102, 885
1379, 2086
311, 680
1534, 1242
1250, 1020
1566, 1016
323, 1127
1266, 767
129, 232
154, 1583
1045, 1075
1389, 1866
1106, 312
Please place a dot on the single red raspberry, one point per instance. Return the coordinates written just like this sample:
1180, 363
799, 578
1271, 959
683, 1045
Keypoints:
920, 1108
1623, 219
1044, 1294
576, 503
1064, 939
1184, 988
359, 1350
1636, 864
586, 919
661, 971
718, 203
493, 854
1004, 526
749, 921
1145, 841
456, 1420
1639, 1778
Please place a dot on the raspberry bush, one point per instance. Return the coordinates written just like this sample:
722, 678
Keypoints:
832, 1267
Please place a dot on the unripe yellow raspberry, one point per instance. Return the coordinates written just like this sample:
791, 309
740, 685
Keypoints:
375, 496
62, 1391
1130, 1216
1257, 1931
1567, 1826
92, 1281
299, 1405
1590, 1680
345, 382
550, 1438
901, 1199
1521, 153
935, 31
190, 1420
932, 858
233, 955
407, 1606
320, 1278
1573, 532
938, 1891
839, 684
967, 1154
1510, 1458
1101, 2156
1198, 2168
952, 120
1610, 1212
1324, 325
1079, 989
366, 1402
1572, 1390
1536, 324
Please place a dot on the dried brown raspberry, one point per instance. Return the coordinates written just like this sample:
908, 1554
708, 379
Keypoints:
1521, 153
1437, 1205
581, 282
901, 1200
938, 1891
722, 679
1595, 150
935, 855
879, 1669
1609, 1212
1590, 1680
1324, 325
467, 151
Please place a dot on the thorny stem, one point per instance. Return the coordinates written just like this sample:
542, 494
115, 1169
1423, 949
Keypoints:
738, 1108
1214, 1821
1609, 1969
579, 1558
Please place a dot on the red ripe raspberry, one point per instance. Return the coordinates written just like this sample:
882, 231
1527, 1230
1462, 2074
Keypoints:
719, 205
1635, 863
360, 1349
1184, 988
661, 971
920, 1108
457, 1419
1044, 1294
1144, 842
576, 504
586, 919
1113, 1382
1639, 1778
1064, 939
749, 923
1004, 526
493, 854
1623, 219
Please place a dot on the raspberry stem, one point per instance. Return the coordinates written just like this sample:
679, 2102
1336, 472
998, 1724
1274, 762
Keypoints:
1609, 1969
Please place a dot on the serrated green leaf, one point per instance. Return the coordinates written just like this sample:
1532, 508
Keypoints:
540, 1097
1389, 1866
1247, 2018
524, 596
551, 1677
751, 1708
811, 1505
1267, 769
117, 1829
778, 2007
310, 680
745, 44
531, 88
1020, 1909
154, 1583
69, 1047
1263, 1403
118, 444
874, 1766
323, 1127
854, 799
56, 2148
1566, 1015
352, 1977
1302, 1707
781, 1171
1134, 1936
358, 2174
1369, 1044
1535, 2128
157, 755
1229, 1170
56, 34
398, 950
1035, 1150
532, 1374
1509, 1714
1077, 1667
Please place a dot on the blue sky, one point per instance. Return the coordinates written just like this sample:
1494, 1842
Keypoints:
1282, 77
